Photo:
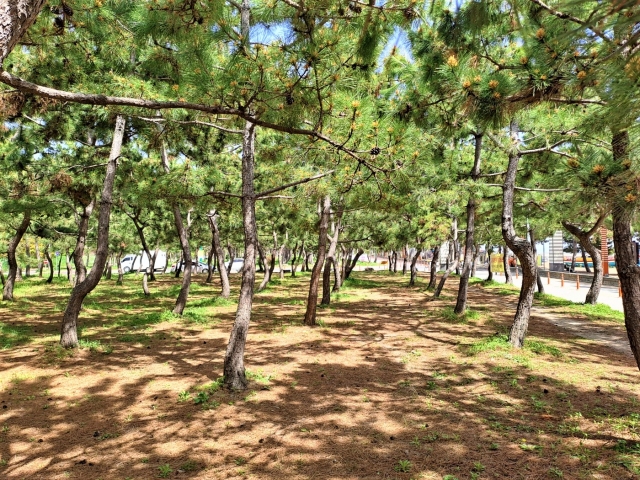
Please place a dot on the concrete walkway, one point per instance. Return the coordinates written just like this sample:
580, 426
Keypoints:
608, 294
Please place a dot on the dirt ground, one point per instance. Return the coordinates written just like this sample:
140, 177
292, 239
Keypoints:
390, 385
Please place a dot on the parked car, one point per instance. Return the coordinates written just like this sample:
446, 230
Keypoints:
196, 267
237, 265
131, 261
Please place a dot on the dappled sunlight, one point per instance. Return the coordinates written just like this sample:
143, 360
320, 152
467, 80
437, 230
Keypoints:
387, 381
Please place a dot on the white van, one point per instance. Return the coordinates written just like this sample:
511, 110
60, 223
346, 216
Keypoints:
131, 261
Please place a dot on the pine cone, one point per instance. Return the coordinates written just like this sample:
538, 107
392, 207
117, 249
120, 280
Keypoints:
68, 11
375, 151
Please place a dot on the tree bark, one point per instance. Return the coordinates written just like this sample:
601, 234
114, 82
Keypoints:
414, 268
574, 251
350, 265
270, 266
69, 331
584, 257
585, 242
404, 261
120, 279
234, 372
508, 278
183, 235
330, 260
522, 249
48, 257
7, 292
452, 267
461, 303
145, 284
434, 268
628, 271
219, 253
312, 300
81, 240
539, 283
16, 16
294, 259
490, 276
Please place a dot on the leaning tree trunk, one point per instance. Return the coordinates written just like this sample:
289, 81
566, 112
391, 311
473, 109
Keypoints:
628, 271
219, 253
434, 268
16, 16
414, 267
294, 259
585, 242
584, 257
312, 300
330, 262
234, 372
539, 283
268, 270
461, 303
350, 265
145, 284
183, 235
508, 278
210, 266
7, 292
48, 257
523, 250
574, 252
81, 241
453, 266
146, 250
69, 330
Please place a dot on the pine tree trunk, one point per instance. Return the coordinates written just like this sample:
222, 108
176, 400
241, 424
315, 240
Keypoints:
447, 272
414, 268
120, 279
508, 278
268, 270
50, 262
628, 271
216, 246
210, 265
145, 285
522, 249
326, 281
232, 255
294, 259
234, 372
16, 16
81, 240
585, 241
539, 283
312, 300
584, 257
7, 292
574, 251
350, 265
405, 261
69, 331
434, 268
490, 276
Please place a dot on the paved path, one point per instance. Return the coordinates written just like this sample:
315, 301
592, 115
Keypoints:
608, 295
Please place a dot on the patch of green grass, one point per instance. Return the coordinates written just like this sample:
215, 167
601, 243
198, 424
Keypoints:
142, 320
501, 288
598, 311
495, 342
12, 335
448, 315
540, 348
259, 376
95, 346
164, 470
354, 282
212, 302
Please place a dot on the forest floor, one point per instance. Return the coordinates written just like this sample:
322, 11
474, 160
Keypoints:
390, 385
